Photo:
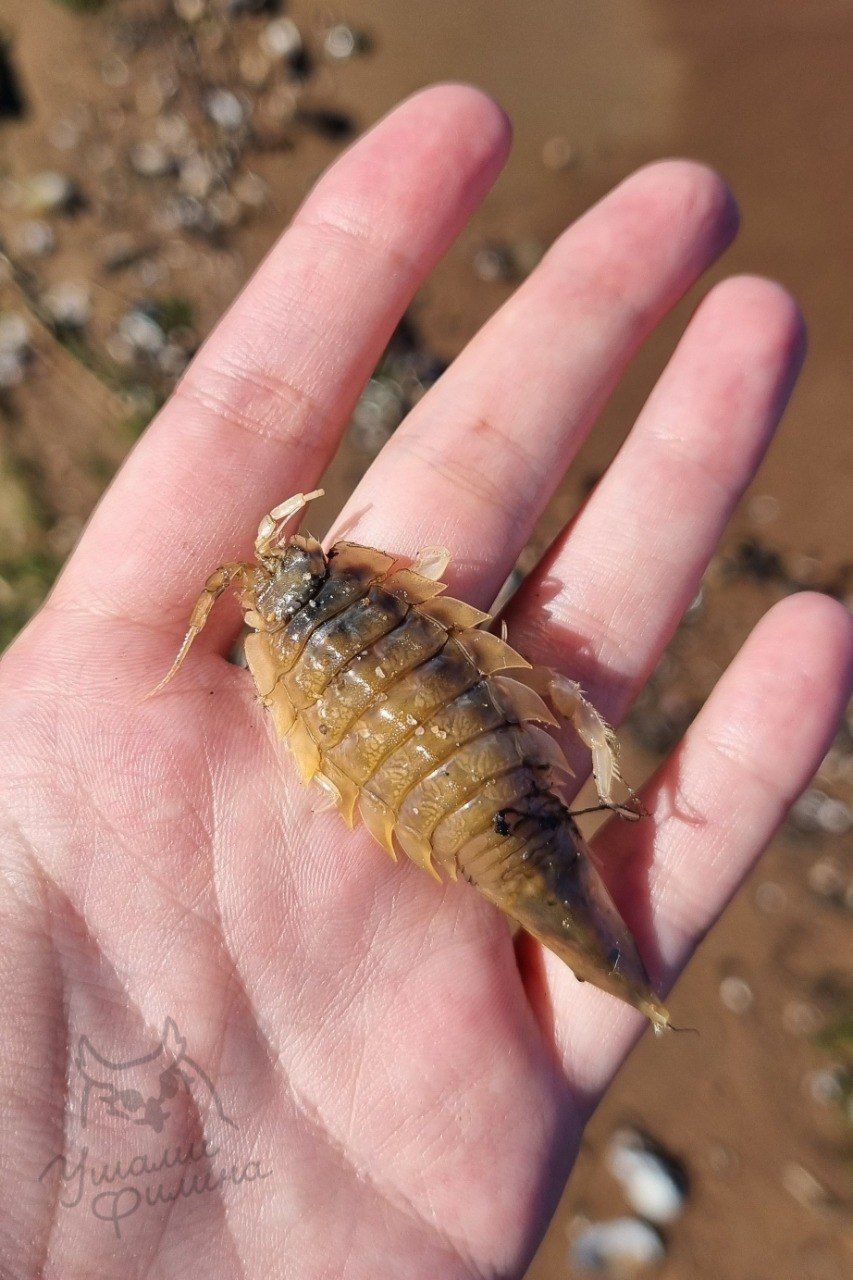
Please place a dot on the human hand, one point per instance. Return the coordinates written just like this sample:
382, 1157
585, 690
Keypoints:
409, 1087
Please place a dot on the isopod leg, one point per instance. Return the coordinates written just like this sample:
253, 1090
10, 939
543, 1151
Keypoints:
273, 525
432, 562
568, 699
218, 581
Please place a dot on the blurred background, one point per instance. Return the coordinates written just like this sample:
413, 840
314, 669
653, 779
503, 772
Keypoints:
151, 150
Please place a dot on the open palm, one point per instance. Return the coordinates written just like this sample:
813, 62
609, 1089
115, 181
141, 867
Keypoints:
376, 1081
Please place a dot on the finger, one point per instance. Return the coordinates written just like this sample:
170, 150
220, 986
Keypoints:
632, 560
262, 408
481, 454
714, 805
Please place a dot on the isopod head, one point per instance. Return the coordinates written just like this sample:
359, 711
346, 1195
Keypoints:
293, 576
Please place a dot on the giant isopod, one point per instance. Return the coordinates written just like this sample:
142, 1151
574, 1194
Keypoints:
396, 700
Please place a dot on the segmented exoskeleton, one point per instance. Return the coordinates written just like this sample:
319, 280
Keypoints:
396, 701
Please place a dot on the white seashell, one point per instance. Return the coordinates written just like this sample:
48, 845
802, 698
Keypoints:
736, 994
49, 192
225, 108
141, 333
621, 1247
281, 38
68, 304
654, 1184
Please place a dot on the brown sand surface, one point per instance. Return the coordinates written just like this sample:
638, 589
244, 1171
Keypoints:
760, 90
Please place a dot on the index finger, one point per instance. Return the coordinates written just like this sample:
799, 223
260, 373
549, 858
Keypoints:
262, 408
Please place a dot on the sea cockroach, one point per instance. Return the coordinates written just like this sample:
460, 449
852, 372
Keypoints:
398, 703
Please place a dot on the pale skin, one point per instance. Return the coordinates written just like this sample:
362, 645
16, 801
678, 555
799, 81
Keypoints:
413, 1084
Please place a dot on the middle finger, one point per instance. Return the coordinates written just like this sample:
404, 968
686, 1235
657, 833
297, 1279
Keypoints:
479, 457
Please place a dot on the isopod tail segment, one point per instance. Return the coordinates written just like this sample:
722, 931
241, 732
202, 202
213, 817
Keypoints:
268, 545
